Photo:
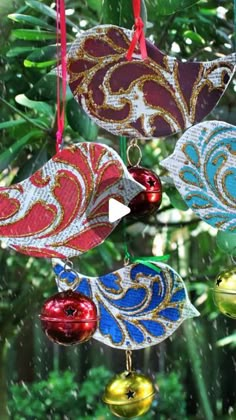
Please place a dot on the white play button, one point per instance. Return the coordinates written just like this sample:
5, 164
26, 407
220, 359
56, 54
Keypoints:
116, 210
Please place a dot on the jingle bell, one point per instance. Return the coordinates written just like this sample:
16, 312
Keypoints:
148, 201
224, 292
129, 394
69, 318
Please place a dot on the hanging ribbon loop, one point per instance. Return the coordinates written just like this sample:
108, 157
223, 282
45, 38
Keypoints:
139, 36
148, 261
61, 79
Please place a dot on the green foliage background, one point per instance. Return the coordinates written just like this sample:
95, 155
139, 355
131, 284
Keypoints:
196, 368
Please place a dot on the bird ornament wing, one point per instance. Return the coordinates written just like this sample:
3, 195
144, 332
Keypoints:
148, 98
203, 167
137, 306
62, 209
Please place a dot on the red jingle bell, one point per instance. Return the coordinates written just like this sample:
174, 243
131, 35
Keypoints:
69, 318
146, 202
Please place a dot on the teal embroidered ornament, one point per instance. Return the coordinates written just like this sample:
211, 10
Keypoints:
203, 167
138, 305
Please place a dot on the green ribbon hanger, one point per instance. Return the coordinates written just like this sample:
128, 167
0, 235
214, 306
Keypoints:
148, 260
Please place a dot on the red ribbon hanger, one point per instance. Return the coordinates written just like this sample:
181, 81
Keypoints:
61, 79
139, 36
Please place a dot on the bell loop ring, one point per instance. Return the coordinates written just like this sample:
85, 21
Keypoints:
67, 269
132, 146
128, 356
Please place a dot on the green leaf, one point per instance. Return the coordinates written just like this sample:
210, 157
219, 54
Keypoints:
33, 34
208, 12
11, 123
121, 13
46, 89
80, 122
36, 162
30, 20
176, 199
16, 51
42, 57
226, 241
229, 340
168, 7
41, 7
11, 153
20, 121
38, 106
95, 5
110, 12
47, 11
194, 36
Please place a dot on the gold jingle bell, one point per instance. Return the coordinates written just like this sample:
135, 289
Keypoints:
129, 394
224, 292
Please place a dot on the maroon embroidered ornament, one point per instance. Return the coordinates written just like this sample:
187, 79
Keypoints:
148, 201
69, 318
155, 97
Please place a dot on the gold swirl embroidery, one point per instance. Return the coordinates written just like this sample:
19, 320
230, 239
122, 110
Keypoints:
90, 103
218, 65
109, 336
93, 107
64, 174
191, 196
103, 152
155, 73
135, 308
76, 235
218, 171
102, 171
144, 330
131, 127
198, 183
46, 206
224, 218
184, 147
166, 116
30, 250
39, 180
214, 133
195, 93
181, 104
14, 201
110, 290
17, 187
227, 193
88, 188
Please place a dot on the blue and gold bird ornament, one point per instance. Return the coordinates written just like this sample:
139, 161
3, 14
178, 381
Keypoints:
138, 306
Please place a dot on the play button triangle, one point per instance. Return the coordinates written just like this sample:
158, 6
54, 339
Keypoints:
116, 210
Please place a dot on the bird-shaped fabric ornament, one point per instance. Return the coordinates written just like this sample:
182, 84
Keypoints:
137, 306
148, 98
62, 209
203, 167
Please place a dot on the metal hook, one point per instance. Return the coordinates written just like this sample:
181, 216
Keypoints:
68, 265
